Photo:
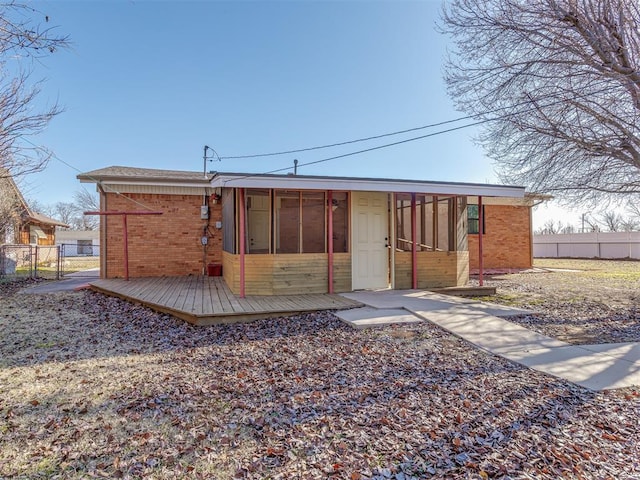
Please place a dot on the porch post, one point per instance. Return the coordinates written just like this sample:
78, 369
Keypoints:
480, 233
126, 247
330, 239
414, 249
242, 235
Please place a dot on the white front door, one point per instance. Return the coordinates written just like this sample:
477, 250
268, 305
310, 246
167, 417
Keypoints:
370, 258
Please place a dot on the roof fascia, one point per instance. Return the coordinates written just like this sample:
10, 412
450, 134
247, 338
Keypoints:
155, 183
366, 184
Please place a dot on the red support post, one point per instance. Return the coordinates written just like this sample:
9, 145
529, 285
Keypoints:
330, 239
414, 248
125, 235
126, 247
241, 232
480, 233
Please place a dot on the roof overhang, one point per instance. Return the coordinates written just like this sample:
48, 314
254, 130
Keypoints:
300, 182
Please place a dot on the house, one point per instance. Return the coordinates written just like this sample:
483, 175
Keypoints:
78, 243
507, 232
286, 234
19, 224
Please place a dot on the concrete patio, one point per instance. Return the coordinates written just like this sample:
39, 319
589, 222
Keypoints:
596, 367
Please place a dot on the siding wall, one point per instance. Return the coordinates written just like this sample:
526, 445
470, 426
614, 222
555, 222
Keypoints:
507, 242
287, 274
435, 269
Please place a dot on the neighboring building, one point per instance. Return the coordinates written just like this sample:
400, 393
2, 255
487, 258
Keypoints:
507, 235
78, 243
18, 223
285, 234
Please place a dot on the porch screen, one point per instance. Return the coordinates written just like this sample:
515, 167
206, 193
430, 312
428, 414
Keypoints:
340, 208
287, 209
228, 220
435, 222
313, 222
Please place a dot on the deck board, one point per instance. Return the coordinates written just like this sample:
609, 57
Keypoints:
208, 300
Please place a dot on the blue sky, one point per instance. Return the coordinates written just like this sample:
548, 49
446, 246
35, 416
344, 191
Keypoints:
148, 84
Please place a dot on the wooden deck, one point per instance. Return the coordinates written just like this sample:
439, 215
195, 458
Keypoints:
208, 300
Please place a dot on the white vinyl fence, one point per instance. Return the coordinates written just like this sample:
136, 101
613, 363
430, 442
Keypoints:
588, 245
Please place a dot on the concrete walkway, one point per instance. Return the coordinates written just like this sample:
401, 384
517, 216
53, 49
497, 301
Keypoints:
72, 281
596, 367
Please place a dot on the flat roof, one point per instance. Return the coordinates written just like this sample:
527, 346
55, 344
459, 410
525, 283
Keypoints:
313, 182
148, 176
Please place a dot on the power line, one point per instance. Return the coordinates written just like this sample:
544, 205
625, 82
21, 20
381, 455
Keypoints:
399, 132
413, 139
528, 102
308, 149
111, 190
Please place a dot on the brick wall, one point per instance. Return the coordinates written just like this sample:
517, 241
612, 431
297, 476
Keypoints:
167, 244
507, 241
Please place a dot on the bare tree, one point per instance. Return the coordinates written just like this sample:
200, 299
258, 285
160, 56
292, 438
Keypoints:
629, 224
550, 227
22, 38
612, 221
65, 212
86, 201
557, 83
72, 213
593, 224
9, 210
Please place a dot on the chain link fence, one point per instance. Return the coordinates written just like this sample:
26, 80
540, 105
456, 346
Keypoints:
78, 257
30, 261
49, 262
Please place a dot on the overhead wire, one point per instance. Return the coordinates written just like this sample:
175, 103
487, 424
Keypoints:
106, 187
375, 137
439, 132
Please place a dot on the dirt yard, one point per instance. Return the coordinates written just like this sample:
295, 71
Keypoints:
577, 301
93, 387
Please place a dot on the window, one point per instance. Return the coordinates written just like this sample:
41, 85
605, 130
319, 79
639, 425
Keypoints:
85, 247
473, 219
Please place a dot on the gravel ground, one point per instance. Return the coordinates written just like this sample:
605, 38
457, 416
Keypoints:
94, 387
576, 301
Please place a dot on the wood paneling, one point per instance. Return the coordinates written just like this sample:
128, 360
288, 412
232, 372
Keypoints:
287, 274
435, 269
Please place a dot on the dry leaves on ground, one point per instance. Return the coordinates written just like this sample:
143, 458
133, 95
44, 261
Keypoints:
577, 301
94, 387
